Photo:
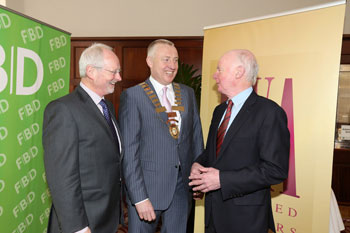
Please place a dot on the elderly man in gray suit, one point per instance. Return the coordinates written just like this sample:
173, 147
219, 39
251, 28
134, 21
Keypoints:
82, 149
163, 136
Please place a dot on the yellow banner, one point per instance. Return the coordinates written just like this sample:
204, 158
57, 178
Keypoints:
299, 57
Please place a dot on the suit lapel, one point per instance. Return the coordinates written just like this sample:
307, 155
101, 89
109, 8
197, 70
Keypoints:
239, 120
182, 113
114, 119
163, 116
91, 108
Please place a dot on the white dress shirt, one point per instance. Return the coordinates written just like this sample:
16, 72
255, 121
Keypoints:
170, 94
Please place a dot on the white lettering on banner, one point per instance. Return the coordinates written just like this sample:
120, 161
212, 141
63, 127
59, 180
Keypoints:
28, 133
3, 75
58, 42
4, 105
32, 34
44, 177
23, 204
24, 225
26, 53
2, 159
57, 64
2, 185
29, 109
44, 215
3, 133
26, 157
55, 86
5, 21
1, 210
45, 230
25, 180
45, 196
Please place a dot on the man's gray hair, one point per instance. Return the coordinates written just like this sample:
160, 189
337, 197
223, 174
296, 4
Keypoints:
250, 64
93, 56
152, 46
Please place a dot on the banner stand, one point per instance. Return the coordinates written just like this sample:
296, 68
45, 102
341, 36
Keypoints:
34, 69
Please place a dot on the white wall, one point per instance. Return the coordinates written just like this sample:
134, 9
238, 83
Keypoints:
151, 17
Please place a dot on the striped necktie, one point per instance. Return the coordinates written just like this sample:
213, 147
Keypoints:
223, 127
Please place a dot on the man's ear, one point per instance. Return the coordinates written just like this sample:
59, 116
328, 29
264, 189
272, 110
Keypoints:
149, 61
90, 71
240, 71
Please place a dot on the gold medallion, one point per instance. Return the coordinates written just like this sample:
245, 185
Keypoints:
174, 131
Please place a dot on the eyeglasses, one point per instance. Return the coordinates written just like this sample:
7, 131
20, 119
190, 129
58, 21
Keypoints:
114, 72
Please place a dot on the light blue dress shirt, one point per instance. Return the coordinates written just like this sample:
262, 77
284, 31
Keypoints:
238, 102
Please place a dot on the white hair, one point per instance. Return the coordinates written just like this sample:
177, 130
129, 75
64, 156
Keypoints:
93, 56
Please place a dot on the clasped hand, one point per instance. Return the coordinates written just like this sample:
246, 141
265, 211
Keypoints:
204, 179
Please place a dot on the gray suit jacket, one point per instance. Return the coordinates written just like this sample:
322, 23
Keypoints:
82, 164
151, 154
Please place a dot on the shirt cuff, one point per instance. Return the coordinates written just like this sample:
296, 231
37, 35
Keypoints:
83, 230
141, 201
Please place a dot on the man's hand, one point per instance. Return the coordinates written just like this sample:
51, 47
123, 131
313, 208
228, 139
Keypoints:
204, 179
146, 211
195, 169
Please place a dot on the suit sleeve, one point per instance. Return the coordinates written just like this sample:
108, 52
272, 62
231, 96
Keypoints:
197, 129
61, 158
272, 168
129, 122
203, 159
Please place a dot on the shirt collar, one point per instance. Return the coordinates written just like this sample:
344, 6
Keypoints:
242, 96
158, 87
95, 97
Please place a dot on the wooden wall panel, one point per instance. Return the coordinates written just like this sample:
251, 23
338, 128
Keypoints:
345, 53
132, 52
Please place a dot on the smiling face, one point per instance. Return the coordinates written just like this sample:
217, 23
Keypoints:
104, 78
163, 63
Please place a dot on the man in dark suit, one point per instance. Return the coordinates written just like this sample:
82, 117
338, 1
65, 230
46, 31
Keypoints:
82, 149
247, 151
162, 133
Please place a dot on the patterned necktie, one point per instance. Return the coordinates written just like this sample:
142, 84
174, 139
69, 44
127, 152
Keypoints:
165, 100
107, 116
223, 127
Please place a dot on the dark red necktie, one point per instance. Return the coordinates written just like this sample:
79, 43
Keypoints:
223, 127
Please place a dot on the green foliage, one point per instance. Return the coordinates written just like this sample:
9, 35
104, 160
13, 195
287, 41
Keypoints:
186, 74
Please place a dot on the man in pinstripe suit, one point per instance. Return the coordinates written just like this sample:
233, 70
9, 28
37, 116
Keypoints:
162, 137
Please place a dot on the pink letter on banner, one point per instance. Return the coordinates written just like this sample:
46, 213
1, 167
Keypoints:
289, 185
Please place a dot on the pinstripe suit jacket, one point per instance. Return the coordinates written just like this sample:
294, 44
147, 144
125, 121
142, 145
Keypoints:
151, 154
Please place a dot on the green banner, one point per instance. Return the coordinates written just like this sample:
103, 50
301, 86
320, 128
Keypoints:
34, 69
